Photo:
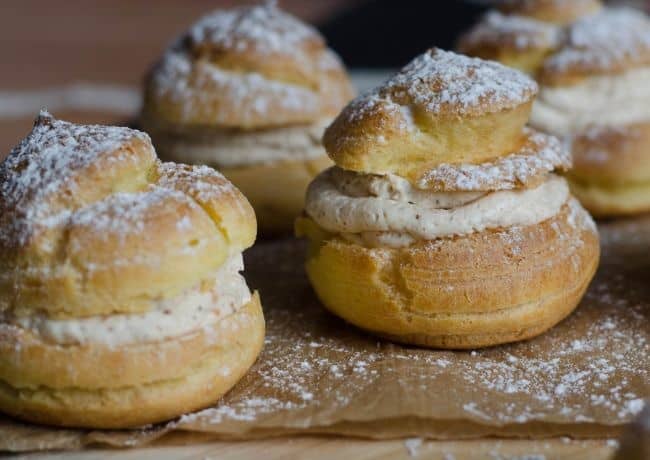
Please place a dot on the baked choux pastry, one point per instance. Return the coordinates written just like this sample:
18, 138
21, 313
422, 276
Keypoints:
595, 95
443, 223
121, 302
554, 11
516, 41
522, 33
249, 91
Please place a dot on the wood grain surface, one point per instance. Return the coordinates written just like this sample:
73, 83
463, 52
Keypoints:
327, 448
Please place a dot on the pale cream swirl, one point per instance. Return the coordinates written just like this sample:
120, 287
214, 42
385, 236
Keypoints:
605, 100
234, 148
389, 211
190, 311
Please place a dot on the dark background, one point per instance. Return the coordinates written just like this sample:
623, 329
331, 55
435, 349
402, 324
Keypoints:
389, 33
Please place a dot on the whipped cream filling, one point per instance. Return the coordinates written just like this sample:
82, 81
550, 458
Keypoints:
192, 310
232, 148
389, 211
606, 100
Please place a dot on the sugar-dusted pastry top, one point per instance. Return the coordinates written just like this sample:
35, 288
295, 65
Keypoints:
91, 222
57, 166
611, 41
262, 29
441, 108
511, 31
556, 11
442, 83
247, 67
527, 167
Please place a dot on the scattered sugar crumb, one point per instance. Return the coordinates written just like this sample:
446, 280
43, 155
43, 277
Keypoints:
413, 446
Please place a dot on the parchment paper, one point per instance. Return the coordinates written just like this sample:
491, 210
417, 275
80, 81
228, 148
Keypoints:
585, 378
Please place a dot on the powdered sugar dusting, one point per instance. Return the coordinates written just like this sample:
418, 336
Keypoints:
210, 87
94, 182
518, 32
589, 369
205, 185
441, 81
247, 67
542, 154
42, 167
603, 41
261, 28
590, 372
202, 182
122, 213
413, 446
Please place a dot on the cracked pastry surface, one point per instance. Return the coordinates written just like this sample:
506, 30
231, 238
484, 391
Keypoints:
526, 34
594, 95
610, 42
119, 280
441, 108
447, 247
249, 91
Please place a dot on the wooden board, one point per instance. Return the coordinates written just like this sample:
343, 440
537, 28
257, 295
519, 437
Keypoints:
327, 448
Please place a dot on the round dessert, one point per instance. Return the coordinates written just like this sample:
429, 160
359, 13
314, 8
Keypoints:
523, 33
249, 91
433, 111
555, 11
516, 41
436, 247
121, 301
595, 94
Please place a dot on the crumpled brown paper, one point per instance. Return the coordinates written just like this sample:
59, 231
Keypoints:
585, 378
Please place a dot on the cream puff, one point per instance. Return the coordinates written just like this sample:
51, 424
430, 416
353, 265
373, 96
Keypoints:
443, 223
121, 301
249, 91
522, 33
595, 94
553, 11
516, 41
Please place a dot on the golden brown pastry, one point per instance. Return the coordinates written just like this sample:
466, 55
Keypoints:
524, 32
516, 41
368, 136
554, 11
121, 302
249, 91
442, 223
595, 94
